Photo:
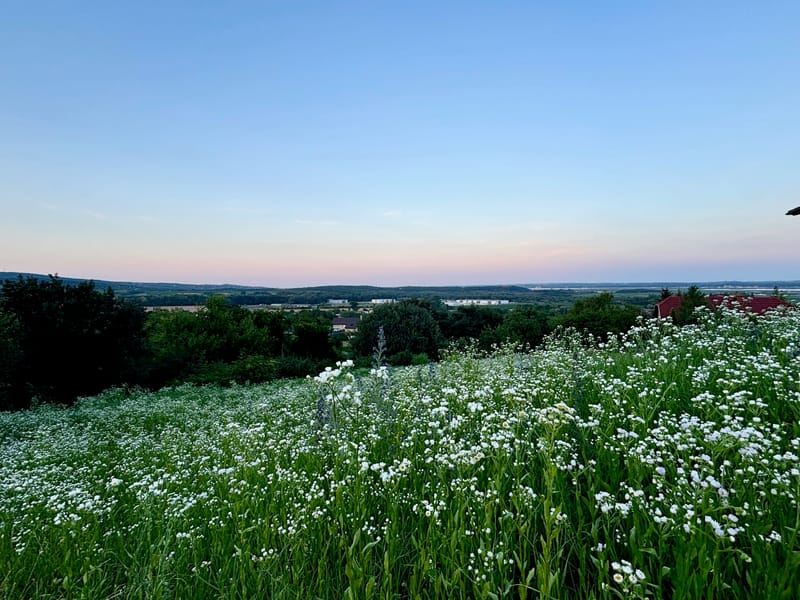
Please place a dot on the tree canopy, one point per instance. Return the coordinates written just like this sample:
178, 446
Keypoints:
60, 342
692, 299
599, 315
409, 329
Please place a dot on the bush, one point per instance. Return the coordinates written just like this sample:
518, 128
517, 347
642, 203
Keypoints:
401, 359
255, 369
522, 325
299, 366
409, 329
420, 359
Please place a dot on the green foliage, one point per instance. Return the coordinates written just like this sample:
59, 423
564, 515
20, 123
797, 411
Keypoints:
11, 358
224, 343
472, 323
311, 335
173, 343
65, 341
219, 344
409, 328
524, 326
248, 369
600, 316
420, 359
692, 299
292, 366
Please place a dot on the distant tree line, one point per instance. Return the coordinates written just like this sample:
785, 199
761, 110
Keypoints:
59, 342
416, 330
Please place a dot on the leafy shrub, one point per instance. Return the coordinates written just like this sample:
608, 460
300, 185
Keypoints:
409, 329
298, 366
255, 369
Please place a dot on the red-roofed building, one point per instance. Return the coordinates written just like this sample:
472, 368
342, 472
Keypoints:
758, 305
762, 304
667, 305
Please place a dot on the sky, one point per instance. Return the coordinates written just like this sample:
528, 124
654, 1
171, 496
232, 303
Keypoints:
295, 143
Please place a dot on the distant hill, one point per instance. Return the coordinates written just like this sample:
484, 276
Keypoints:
159, 294
119, 286
561, 294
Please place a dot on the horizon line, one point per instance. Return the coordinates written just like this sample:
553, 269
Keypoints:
530, 284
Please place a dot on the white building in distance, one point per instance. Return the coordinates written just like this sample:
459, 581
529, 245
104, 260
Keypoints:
474, 302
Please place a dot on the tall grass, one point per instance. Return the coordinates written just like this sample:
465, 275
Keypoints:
662, 464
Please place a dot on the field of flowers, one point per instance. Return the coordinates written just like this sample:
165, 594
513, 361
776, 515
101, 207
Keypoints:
663, 464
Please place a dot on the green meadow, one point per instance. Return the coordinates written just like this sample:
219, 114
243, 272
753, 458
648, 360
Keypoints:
659, 464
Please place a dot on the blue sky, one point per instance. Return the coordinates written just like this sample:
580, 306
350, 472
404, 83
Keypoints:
287, 143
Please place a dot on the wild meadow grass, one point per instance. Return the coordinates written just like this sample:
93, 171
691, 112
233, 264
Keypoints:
663, 464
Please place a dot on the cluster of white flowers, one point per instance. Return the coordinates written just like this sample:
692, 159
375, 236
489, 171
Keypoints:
330, 373
560, 412
626, 576
381, 373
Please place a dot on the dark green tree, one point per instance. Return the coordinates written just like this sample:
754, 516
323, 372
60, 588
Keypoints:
309, 344
409, 328
311, 335
74, 340
11, 357
272, 327
228, 332
470, 322
599, 315
175, 347
524, 325
692, 299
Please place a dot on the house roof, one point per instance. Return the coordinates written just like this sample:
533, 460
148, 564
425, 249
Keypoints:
760, 305
667, 305
349, 323
757, 305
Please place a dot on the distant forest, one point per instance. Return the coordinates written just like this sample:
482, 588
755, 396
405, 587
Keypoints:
557, 296
177, 294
